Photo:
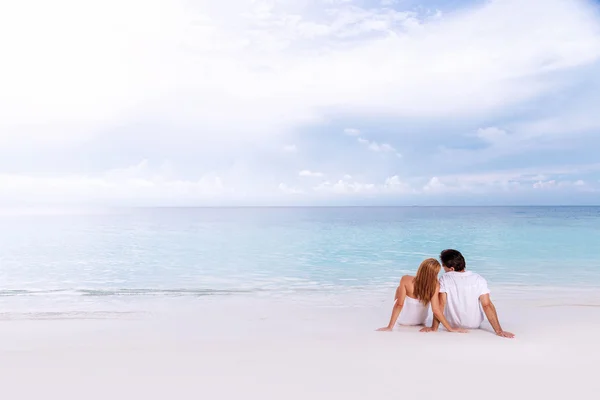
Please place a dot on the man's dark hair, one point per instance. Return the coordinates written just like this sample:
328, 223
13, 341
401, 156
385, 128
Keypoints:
453, 259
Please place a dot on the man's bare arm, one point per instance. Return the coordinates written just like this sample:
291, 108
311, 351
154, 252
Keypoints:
492, 316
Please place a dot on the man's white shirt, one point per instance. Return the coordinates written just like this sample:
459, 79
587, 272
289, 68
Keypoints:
463, 290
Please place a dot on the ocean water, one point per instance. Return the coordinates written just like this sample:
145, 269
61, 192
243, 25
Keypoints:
59, 261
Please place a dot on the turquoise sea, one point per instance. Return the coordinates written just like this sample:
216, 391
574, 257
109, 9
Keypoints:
56, 260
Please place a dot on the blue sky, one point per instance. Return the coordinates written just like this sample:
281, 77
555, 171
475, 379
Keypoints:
240, 102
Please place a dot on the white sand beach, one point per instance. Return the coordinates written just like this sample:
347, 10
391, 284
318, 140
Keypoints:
232, 347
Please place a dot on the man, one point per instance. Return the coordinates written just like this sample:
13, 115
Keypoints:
464, 296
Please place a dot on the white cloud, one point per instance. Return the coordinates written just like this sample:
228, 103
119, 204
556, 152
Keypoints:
566, 124
492, 134
275, 65
379, 147
507, 182
578, 185
344, 186
289, 190
394, 184
311, 174
138, 184
544, 185
384, 147
513, 180
352, 132
350, 186
142, 184
171, 77
434, 185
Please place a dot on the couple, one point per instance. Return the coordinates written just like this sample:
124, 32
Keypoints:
458, 300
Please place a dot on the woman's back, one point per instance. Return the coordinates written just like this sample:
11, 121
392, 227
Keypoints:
414, 312
409, 285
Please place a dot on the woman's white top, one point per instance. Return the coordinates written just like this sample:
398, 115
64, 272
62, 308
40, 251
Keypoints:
413, 312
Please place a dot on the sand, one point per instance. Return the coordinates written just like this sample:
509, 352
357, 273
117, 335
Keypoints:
325, 348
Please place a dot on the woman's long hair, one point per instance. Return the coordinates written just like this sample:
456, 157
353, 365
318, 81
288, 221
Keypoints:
426, 280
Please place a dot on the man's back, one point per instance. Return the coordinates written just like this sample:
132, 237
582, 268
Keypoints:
463, 290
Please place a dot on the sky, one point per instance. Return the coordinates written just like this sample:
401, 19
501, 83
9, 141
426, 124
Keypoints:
299, 102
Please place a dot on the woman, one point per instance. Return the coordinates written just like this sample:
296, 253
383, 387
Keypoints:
414, 295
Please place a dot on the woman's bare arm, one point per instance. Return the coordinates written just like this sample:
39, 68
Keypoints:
398, 304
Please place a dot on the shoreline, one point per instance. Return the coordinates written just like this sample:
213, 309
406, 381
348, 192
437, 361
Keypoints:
104, 304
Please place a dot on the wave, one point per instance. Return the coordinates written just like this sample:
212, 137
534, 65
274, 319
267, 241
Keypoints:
173, 292
127, 292
164, 292
62, 315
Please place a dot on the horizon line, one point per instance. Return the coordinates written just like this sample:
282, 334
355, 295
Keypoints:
74, 207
